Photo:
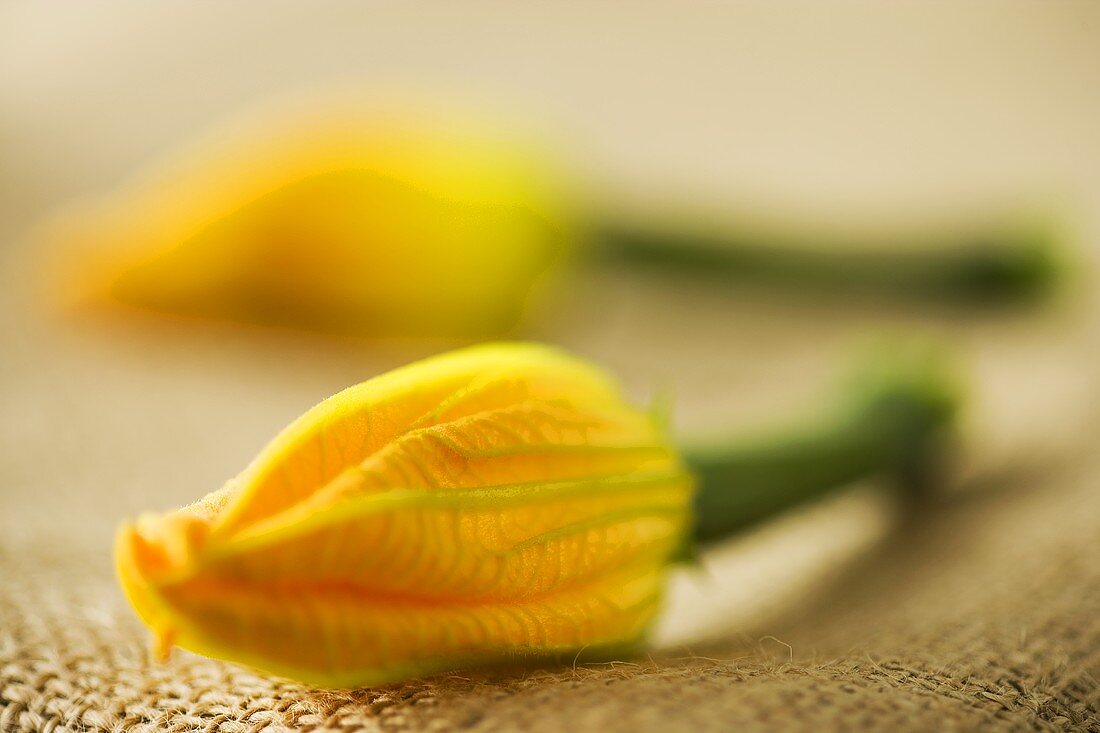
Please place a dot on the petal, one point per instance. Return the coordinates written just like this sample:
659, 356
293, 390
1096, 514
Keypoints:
355, 223
498, 500
430, 400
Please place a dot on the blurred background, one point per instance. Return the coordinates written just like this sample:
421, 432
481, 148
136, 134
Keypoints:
814, 116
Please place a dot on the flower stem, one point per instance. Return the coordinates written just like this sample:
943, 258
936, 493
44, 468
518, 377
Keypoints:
897, 425
997, 264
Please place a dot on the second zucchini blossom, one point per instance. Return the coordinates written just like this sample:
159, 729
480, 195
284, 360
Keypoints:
379, 222
499, 501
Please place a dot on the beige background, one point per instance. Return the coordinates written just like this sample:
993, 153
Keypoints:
981, 610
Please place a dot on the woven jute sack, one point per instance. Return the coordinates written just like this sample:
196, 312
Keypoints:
977, 610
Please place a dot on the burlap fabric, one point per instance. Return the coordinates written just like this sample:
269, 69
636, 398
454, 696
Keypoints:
1005, 637
976, 611
979, 611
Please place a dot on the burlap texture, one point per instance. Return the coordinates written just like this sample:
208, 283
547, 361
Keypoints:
975, 611
984, 617
979, 611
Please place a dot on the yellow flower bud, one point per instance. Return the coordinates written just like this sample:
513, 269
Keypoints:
349, 221
496, 501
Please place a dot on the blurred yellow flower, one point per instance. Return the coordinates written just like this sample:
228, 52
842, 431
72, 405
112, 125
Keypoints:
496, 501
354, 221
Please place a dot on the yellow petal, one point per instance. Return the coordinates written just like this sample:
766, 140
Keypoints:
495, 501
349, 221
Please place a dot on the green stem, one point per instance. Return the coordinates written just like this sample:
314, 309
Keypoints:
896, 427
998, 265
